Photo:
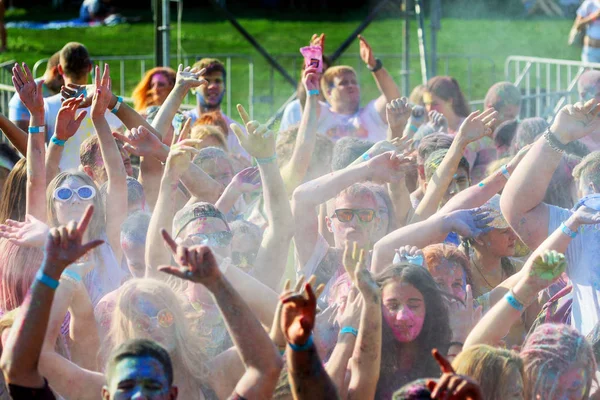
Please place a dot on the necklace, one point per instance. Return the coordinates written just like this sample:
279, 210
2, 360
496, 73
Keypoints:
474, 262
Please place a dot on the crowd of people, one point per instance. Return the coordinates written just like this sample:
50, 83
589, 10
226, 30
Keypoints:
388, 248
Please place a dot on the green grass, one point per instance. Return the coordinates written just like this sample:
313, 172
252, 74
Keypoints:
493, 39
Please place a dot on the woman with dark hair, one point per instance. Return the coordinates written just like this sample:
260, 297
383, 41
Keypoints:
415, 322
443, 95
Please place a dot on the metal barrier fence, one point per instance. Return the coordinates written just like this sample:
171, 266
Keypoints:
257, 85
546, 84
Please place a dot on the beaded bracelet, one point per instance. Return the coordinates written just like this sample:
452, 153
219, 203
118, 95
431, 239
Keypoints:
553, 142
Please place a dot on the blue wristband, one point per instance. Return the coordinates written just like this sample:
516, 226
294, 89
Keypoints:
58, 142
567, 231
46, 280
413, 128
366, 156
314, 92
505, 172
349, 329
304, 347
514, 303
36, 129
118, 105
267, 160
72, 274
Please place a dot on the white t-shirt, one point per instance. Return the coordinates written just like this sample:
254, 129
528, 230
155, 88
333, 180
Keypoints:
70, 157
583, 258
292, 115
366, 123
232, 141
586, 9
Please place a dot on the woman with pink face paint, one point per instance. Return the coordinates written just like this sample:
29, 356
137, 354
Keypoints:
415, 321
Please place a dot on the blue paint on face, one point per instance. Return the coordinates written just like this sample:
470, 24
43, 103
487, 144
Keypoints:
139, 378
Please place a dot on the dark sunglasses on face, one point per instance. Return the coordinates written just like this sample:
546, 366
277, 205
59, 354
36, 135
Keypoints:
347, 214
216, 239
65, 193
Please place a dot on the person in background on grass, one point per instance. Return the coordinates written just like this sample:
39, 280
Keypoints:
587, 20
53, 80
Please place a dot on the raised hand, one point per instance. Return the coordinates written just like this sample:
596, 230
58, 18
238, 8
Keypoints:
190, 77
452, 386
318, 40
470, 223
310, 79
576, 121
73, 90
140, 142
587, 216
260, 140
418, 115
398, 112
31, 233
463, 317
29, 91
196, 264
64, 245
350, 311
545, 269
477, 125
180, 158
412, 255
439, 121
356, 267
298, 316
247, 180
102, 93
388, 167
366, 53
66, 123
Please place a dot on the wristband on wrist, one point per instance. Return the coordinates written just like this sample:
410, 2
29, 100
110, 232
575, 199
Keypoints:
118, 105
58, 142
313, 92
512, 300
349, 329
304, 347
71, 274
377, 67
36, 129
567, 231
267, 160
553, 142
413, 128
366, 156
46, 280
505, 172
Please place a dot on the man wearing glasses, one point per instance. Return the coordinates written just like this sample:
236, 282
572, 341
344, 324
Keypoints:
352, 220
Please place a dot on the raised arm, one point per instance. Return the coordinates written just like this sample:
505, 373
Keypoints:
478, 195
116, 197
294, 171
31, 95
366, 358
385, 83
381, 169
15, 135
398, 112
467, 223
66, 127
258, 353
272, 255
307, 376
473, 128
21, 355
522, 197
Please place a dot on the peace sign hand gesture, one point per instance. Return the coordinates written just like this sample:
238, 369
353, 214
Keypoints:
103, 94
260, 140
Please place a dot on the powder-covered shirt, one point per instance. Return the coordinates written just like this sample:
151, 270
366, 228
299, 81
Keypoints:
366, 124
583, 270
233, 143
587, 8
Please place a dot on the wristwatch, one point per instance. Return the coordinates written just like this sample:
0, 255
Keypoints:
377, 67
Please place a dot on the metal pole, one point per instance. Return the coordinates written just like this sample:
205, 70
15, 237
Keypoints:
406, 59
436, 25
422, 44
165, 34
158, 50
